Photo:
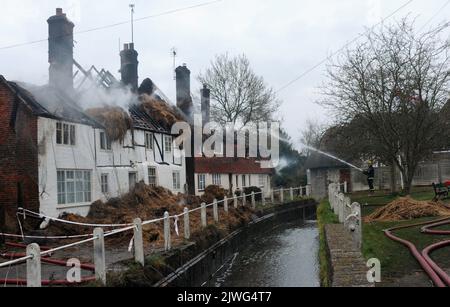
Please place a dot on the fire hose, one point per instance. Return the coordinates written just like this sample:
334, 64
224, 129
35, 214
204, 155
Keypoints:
47, 260
439, 277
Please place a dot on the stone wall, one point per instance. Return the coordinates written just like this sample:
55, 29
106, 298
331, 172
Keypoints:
347, 265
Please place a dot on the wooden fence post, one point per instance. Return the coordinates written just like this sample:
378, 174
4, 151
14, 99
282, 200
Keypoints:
167, 232
99, 255
216, 211
187, 225
204, 221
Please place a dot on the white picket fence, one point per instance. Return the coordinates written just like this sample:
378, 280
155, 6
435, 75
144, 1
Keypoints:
349, 213
34, 253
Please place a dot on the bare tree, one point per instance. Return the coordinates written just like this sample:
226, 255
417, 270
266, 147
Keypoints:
312, 136
238, 94
396, 83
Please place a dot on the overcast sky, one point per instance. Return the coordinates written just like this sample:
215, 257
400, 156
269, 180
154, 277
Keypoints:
282, 38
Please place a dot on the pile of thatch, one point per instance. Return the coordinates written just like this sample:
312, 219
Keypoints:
407, 208
160, 111
115, 120
147, 203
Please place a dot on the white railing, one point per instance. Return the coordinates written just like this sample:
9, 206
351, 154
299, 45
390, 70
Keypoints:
34, 253
349, 213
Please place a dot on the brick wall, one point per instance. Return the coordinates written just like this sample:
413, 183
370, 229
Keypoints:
18, 158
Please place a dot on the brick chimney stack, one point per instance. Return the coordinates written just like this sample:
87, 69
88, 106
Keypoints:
60, 51
206, 104
184, 99
129, 66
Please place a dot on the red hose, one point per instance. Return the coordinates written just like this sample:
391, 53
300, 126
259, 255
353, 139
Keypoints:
425, 265
46, 259
426, 254
428, 229
436, 274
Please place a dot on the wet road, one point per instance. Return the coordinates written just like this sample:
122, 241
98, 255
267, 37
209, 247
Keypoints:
286, 256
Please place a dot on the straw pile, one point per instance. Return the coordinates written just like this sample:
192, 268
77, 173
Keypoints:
115, 120
147, 203
407, 208
159, 110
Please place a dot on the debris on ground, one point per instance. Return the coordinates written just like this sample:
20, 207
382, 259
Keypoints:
116, 121
406, 208
213, 192
147, 203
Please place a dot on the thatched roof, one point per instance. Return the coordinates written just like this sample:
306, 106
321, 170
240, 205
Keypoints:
160, 111
115, 120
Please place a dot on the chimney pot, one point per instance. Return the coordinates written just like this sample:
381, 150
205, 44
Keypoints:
59, 11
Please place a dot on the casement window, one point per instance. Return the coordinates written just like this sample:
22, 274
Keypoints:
65, 134
152, 177
149, 141
105, 183
244, 181
176, 181
168, 144
217, 179
105, 143
74, 187
262, 181
201, 182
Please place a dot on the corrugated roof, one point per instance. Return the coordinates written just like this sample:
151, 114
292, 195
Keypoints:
230, 166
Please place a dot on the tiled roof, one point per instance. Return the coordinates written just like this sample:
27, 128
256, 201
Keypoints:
230, 166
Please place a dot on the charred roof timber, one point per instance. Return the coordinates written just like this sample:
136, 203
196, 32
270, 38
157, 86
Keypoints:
60, 51
206, 104
184, 99
129, 66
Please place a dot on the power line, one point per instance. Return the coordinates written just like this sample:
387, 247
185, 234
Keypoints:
169, 12
342, 48
439, 11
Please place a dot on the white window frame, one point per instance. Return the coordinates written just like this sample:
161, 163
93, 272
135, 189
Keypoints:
168, 144
105, 142
176, 180
217, 179
75, 186
201, 182
149, 141
105, 183
152, 178
66, 134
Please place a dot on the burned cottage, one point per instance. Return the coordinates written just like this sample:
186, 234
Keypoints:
56, 157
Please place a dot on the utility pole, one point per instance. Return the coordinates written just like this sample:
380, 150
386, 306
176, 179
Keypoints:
132, 6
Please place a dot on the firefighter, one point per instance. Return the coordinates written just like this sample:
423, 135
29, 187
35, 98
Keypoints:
370, 173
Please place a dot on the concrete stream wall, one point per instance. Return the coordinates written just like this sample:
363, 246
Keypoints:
201, 268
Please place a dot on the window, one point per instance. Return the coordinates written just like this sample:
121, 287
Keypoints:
105, 143
217, 180
149, 141
65, 134
201, 182
249, 180
105, 186
74, 187
152, 179
262, 181
244, 181
176, 181
168, 144
237, 181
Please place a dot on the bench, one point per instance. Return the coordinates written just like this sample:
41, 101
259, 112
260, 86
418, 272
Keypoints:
440, 191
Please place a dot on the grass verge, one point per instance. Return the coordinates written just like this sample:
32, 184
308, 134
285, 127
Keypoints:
325, 216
